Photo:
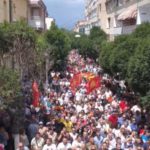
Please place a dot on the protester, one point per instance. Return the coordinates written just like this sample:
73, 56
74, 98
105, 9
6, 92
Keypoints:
84, 109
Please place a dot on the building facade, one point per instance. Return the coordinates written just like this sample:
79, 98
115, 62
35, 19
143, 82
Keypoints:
49, 22
92, 9
82, 26
37, 14
32, 11
117, 17
123, 16
6, 10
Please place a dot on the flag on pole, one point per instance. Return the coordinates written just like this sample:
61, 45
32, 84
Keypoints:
36, 94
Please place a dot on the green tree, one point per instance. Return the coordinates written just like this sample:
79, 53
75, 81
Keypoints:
9, 87
105, 53
138, 68
97, 36
86, 47
5, 41
59, 46
142, 31
124, 48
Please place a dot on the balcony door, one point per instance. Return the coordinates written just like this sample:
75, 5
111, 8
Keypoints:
35, 13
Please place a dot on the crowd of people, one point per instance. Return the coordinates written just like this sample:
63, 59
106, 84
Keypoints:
108, 118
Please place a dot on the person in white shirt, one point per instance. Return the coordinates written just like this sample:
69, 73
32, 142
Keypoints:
77, 143
37, 142
22, 147
64, 145
49, 145
73, 134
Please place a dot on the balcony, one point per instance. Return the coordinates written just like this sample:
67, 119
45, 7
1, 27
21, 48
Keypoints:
112, 6
37, 23
36, 3
115, 31
128, 29
122, 30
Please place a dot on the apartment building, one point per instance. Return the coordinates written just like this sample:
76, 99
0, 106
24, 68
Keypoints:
82, 26
49, 21
6, 10
37, 14
32, 11
92, 9
123, 16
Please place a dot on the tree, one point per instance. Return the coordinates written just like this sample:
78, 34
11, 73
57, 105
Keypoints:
142, 31
105, 53
59, 46
96, 32
86, 47
138, 67
124, 48
23, 49
9, 86
97, 36
5, 41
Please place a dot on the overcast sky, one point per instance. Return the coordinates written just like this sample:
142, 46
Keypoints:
65, 12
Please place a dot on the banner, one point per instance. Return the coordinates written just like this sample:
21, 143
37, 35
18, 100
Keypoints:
93, 84
75, 81
36, 94
88, 75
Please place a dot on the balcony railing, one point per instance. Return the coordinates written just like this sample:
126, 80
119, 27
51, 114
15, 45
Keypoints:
112, 7
36, 22
128, 29
115, 31
122, 30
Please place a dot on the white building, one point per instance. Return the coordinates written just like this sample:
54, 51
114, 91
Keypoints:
49, 22
123, 16
37, 13
92, 12
82, 26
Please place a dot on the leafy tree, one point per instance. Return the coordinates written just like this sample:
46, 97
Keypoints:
142, 31
96, 32
97, 36
105, 53
138, 68
5, 41
86, 47
59, 46
121, 53
130, 55
9, 86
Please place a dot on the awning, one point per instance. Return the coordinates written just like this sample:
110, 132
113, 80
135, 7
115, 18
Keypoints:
130, 13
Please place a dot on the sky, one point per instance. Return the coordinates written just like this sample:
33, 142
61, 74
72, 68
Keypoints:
65, 12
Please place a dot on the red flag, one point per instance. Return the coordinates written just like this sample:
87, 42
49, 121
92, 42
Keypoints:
75, 81
36, 94
88, 75
93, 84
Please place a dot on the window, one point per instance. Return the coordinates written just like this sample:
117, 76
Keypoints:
35, 13
108, 22
100, 7
117, 3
